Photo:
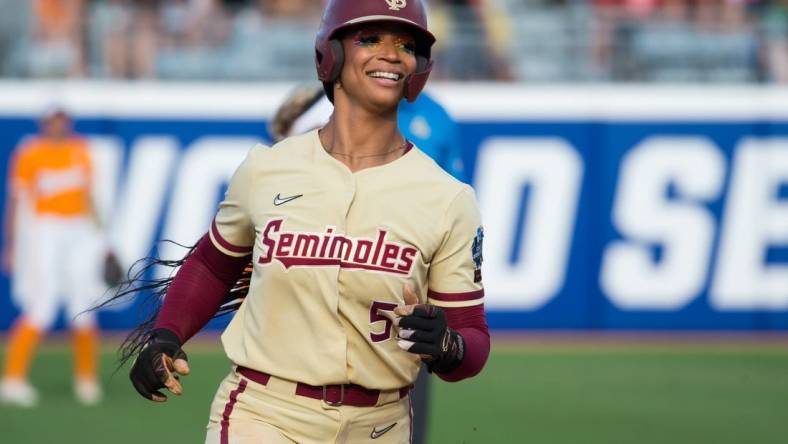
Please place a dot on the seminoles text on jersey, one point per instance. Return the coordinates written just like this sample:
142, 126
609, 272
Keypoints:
305, 249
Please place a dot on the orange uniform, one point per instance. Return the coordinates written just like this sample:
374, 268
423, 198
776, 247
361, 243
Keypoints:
58, 253
54, 176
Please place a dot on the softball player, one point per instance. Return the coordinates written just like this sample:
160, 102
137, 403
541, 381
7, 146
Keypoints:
423, 121
51, 177
366, 259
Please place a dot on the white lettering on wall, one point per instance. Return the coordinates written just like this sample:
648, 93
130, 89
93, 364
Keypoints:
647, 217
205, 166
754, 220
552, 170
142, 195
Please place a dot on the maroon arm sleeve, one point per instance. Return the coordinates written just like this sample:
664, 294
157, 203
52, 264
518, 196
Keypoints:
198, 289
471, 324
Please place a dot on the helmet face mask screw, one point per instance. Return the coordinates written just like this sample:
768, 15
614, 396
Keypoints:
342, 14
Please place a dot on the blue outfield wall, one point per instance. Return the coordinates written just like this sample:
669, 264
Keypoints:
600, 212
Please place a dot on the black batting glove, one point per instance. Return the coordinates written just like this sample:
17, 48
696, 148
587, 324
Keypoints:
426, 332
158, 366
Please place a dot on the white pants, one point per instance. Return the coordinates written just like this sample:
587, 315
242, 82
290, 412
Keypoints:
63, 265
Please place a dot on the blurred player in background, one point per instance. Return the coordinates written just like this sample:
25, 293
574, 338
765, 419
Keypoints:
424, 122
366, 259
55, 256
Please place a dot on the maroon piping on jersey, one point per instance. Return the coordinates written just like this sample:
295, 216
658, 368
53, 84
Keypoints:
198, 289
471, 324
226, 245
228, 410
455, 297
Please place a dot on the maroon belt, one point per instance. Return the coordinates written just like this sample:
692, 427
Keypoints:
335, 394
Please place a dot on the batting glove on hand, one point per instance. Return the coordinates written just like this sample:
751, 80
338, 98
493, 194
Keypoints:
158, 366
424, 330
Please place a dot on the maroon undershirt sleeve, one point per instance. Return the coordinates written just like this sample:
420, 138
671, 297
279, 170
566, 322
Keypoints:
471, 324
198, 289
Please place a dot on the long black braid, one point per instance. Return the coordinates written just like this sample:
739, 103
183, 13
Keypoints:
137, 286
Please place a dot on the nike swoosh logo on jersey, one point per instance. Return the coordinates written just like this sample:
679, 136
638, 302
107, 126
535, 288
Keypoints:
279, 200
376, 433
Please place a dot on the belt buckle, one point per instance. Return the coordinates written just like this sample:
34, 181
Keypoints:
341, 396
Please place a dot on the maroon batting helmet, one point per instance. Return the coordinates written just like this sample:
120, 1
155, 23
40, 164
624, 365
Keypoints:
341, 14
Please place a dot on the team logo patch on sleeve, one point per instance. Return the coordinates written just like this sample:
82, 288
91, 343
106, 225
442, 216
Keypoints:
476, 254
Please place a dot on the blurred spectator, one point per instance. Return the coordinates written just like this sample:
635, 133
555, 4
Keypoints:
12, 27
467, 47
57, 38
287, 29
614, 23
193, 24
257, 39
676, 40
130, 37
774, 24
537, 40
193, 34
729, 42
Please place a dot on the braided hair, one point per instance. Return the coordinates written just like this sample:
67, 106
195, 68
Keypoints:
137, 286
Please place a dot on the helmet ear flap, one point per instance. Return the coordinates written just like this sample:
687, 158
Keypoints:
339, 59
415, 82
421, 63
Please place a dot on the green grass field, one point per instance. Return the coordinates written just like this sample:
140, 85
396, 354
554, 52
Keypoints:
532, 392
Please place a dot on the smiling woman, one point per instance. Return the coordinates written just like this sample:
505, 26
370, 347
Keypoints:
356, 276
383, 53
368, 62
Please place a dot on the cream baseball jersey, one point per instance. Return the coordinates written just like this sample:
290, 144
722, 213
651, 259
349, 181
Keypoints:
331, 250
